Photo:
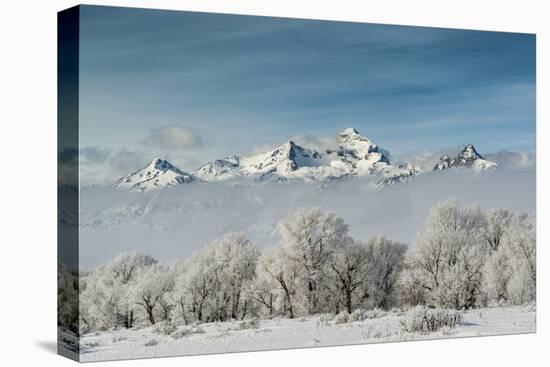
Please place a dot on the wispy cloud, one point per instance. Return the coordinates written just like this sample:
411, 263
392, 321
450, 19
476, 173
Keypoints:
513, 160
94, 155
174, 138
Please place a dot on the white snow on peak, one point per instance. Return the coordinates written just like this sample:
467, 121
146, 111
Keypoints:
356, 144
468, 157
162, 165
157, 174
469, 152
287, 161
220, 169
283, 161
363, 157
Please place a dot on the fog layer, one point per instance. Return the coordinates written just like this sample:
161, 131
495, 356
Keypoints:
172, 223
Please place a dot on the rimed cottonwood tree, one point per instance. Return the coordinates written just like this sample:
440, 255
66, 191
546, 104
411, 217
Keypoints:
385, 258
448, 256
310, 238
106, 294
352, 269
215, 284
151, 292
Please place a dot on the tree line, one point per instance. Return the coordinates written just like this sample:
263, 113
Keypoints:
462, 258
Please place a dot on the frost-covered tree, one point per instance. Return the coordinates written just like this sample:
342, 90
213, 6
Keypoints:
264, 290
236, 258
216, 284
496, 276
151, 290
385, 258
463, 257
106, 294
200, 283
447, 259
509, 274
67, 298
178, 296
352, 267
460, 285
496, 271
278, 290
410, 289
520, 245
310, 238
496, 224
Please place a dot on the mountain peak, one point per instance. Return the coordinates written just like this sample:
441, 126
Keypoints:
283, 160
469, 152
289, 145
158, 173
162, 165
468, 157
354, 144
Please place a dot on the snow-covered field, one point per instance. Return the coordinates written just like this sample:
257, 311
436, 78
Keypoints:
242, 336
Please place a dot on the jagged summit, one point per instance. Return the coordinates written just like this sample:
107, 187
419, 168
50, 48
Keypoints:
354, 143
468, 157
363, 157
469, 153
162, 165
283, 160
158, 173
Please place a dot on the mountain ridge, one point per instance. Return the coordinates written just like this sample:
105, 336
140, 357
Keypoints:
353, 156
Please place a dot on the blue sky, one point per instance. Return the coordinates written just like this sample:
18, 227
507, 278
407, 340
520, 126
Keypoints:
196, 86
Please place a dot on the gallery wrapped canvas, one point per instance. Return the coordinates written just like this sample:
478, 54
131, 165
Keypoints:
235, 183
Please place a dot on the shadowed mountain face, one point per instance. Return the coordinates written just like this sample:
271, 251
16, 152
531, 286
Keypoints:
468, 157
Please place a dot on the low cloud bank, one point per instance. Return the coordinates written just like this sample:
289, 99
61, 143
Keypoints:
173, 223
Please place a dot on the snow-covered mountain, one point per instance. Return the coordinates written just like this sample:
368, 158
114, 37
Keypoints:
285, 162
362, 157
353, 155
468, 157
158, 173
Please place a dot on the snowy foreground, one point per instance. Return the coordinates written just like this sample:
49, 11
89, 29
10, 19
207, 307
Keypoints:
316, 331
